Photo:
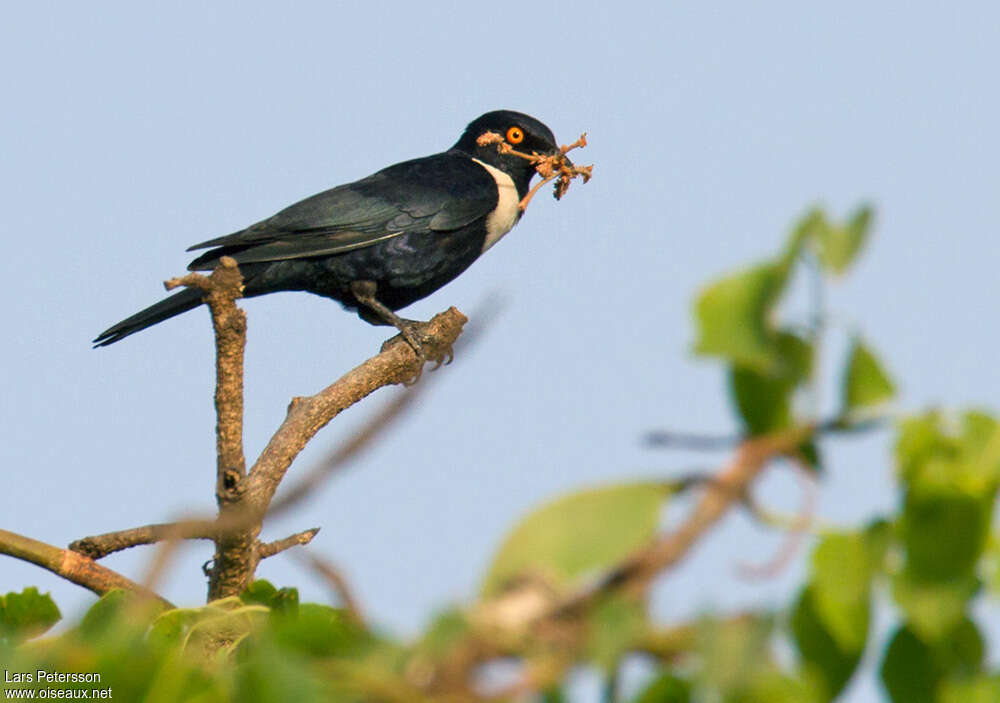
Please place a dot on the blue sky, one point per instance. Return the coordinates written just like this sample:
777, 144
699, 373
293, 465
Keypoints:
131, 131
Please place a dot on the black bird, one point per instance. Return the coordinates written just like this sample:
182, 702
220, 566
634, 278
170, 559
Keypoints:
381, 243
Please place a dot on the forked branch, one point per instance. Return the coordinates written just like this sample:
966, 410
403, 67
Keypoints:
245, 498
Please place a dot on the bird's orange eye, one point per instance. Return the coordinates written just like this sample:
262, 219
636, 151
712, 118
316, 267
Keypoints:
515, 135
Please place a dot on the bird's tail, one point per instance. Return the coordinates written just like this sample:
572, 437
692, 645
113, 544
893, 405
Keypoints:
183, 301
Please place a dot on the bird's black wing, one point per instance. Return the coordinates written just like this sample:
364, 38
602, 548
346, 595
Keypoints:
435, 193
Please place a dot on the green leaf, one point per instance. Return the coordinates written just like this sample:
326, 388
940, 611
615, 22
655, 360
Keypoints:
933, 609
733, 653
261, 592
920, 441
831, 619
839, 245
733, 317
866, 382
284, 601
909, 672
178, 679
773, 686
118, 610
950, 469
579, 534
809, 451
321, 631
822, 648
935, 451
944, 533
449, 628
169, 629
982, 689
913, 671
102, 614
990, 565
218, 634
809, 228
764, 400
269, 675
666, 688
963, 651
843, 567
553, 694
26, 614
615, 626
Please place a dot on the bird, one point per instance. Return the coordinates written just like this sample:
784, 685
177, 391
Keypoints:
378, 244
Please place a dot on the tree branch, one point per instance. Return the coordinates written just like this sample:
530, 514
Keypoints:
269, 549
729, 487
395, 364
70, 565
99, 546
244, 498
534, 605
535, 610
222, 289
233, 549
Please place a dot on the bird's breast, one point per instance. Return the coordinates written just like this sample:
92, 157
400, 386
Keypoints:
508, 210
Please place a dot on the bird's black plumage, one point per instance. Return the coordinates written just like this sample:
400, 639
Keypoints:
408, 229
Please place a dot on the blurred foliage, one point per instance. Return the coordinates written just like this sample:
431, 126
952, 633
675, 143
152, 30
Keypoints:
924, 571
611, 522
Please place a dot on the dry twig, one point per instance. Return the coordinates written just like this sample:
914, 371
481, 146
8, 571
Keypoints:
551, 167
269, 549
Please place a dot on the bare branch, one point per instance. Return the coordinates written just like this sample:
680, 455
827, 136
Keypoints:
708, 442
99, 546
269, 549
244, 498
697, 442
233, 549
728, 488
222, 289
395, 364
70, 566
311, 479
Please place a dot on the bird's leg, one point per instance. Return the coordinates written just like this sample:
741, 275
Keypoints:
364, 293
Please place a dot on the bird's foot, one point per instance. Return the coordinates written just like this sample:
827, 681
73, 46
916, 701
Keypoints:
414, 333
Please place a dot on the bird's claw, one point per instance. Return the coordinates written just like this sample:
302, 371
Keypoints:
445, 358
413, 333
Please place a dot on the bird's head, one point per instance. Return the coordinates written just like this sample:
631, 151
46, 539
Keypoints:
523, 132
